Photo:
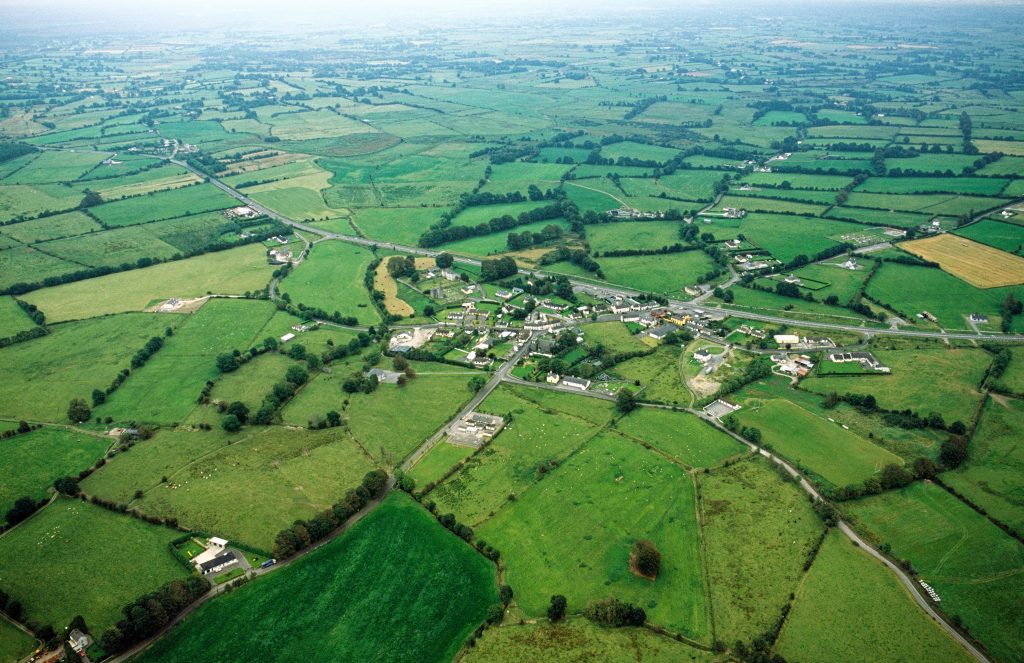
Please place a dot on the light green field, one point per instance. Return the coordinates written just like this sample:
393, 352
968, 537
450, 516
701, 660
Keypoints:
163, 205
633, 234
578, 640
14, 643
234, 271
51, 227
667, 274
438, 460
539, 432
682, 436
75, 558
69, 363
403, 583
993, 475
858, 601
925, 381
661, 376
12, 318
484, 245
31, 462
248, 490
823, 447
757, 534
165, 389
343, 266
400, 225
942, 537
572, 534
613, 335
250, 383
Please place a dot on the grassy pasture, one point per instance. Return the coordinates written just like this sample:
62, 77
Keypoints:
666, 274
1005, 236
163, 205
56, 167
549, 430
660, 376
941, 537
403, 583
12, 318
859, 601
943, 381
15, 644
248, 490
483, 245
18, 200
51, 227
343, 266
400, 225
1012, 381
981, 186
438, 460
825, 448
165, 389
799, 181
31, 462
75, 558
640, 235
578, 640
683, 437
69, 363
613, 335
23, 264
632, 150
993, 475
758, 531
233, 271
911, 289
572, 533
110, 248
769, 205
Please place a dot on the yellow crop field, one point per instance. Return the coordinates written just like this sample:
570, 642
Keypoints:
980, 265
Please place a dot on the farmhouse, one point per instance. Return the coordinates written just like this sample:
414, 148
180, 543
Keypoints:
662, 331
702, 355
979, 317
218, 563
387, 377
215, 547
576, 383
79, 641
553, 378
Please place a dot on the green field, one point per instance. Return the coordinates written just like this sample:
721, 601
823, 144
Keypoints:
757, 534
165, 389
75, 558
544, 431
403, 583
573, 532
634, 234
823, 447
925, 381
70, 362
15, 645
668, 274
163, 205
942, 538
32, 461
683, 437
247, 490
578, 640
438, 460
613, 335
230, 272
12, 318
343, 266
993, 475
858, 600
1005, 236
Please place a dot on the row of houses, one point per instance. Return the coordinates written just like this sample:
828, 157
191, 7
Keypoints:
569, 381
865, 359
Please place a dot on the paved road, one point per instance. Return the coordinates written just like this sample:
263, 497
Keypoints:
502, 373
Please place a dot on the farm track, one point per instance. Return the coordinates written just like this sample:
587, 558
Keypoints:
601, 289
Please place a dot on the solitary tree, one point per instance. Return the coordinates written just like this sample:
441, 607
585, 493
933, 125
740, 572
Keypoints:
625, 401
230, 423
646, 558
556, 611
78, 410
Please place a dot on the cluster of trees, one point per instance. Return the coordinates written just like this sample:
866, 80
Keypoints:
758, 369
146, 615
23, 427
646, 558
304, 533
891, 477
578, 257
12, 150
495, 269
360, 383
613, 613
148, 350
22, 509
966, 126
402, 266
1000, 362
442, 234
1011, 307
526, 239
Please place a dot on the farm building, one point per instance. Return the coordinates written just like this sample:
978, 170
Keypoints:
787, 339
576, 383
474, 429
865, 359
